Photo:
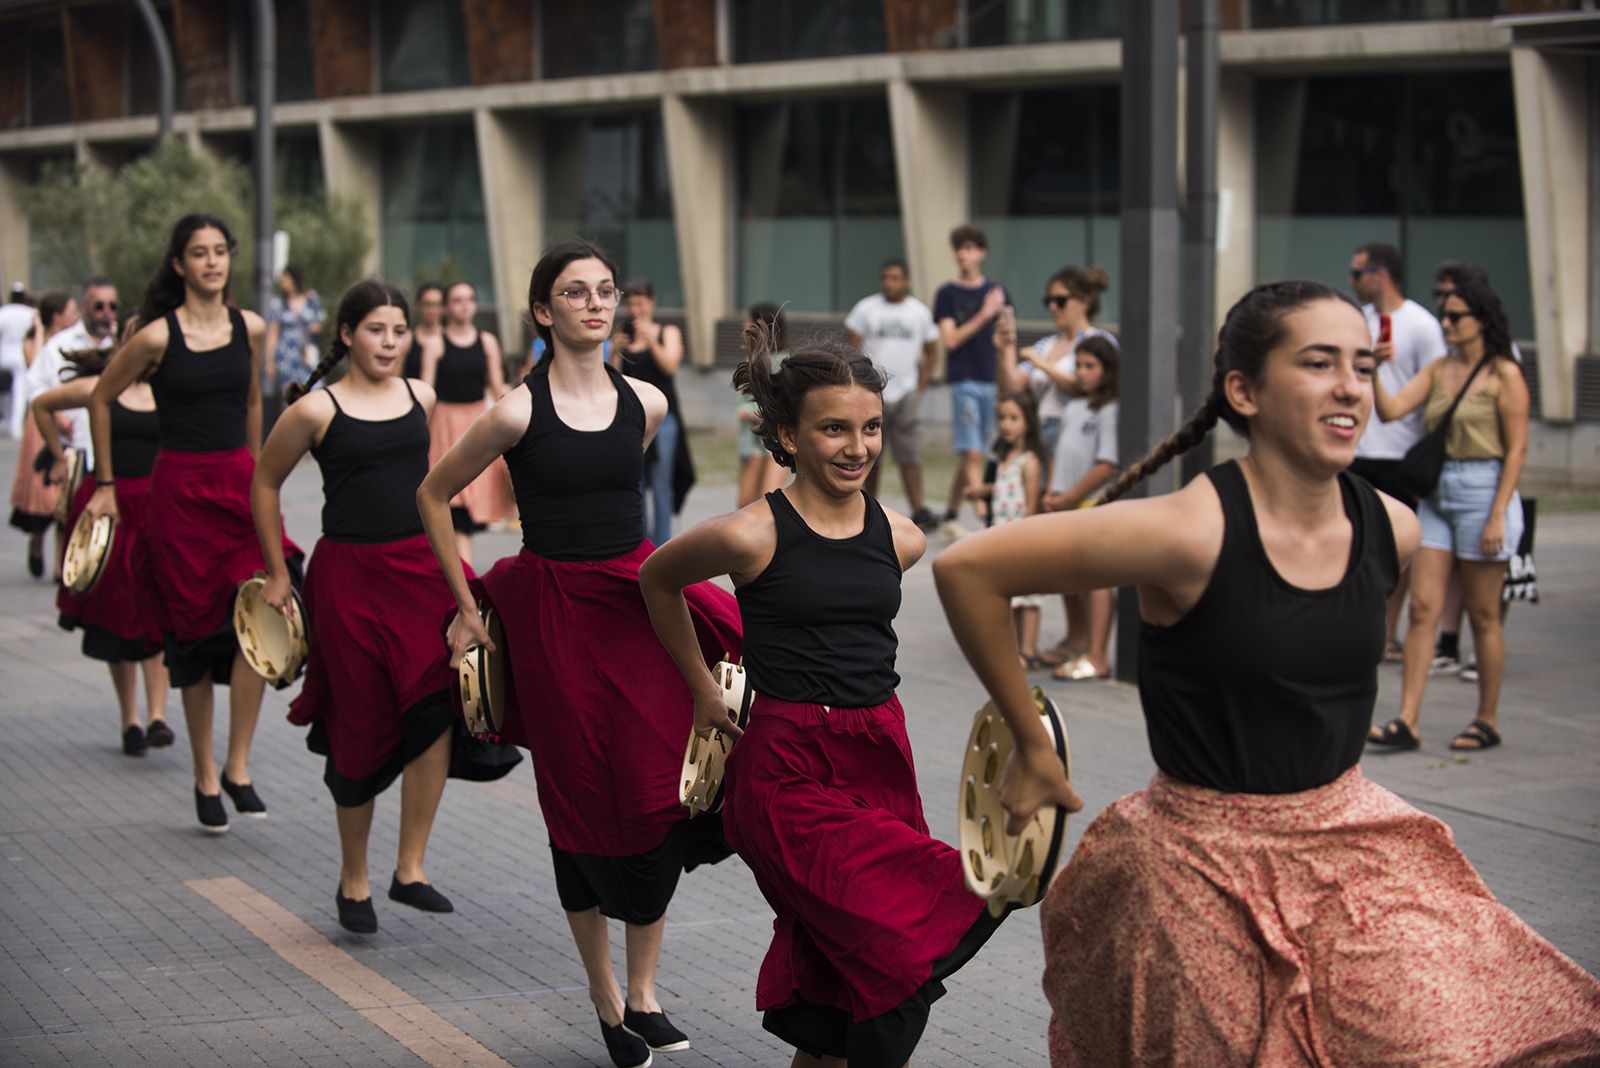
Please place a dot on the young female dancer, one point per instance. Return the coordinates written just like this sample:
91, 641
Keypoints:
595, 699
33, 499
1013, 495
821, 796
465, 371
1261, 902
118, 615
428, 333
202, 360
377, 689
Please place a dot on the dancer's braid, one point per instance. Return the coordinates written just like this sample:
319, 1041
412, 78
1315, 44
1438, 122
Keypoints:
1185, 438
337, 351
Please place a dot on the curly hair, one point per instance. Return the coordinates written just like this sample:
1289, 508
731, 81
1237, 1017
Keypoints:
780, 394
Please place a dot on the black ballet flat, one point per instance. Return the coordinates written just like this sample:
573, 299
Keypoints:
244, 798
419, 896
36, 565
627, 1049
133, 741
159, 734
356, 916
656, 1030
213, 817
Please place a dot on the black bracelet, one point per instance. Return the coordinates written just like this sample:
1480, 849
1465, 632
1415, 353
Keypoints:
100, 483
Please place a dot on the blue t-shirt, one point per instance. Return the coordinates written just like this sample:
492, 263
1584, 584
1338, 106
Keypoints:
973, 361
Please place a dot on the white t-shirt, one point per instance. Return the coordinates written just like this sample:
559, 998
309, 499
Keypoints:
1418, 340
1087, 437
892, 336
15, 322
1050, 397
45, 373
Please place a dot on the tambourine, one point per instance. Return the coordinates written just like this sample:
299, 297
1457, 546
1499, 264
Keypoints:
274, 643
481, 676
67, 490
705, 759
1007, 869
87, 551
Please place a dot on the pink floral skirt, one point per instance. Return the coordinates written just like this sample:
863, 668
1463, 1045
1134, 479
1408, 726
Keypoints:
1338, 926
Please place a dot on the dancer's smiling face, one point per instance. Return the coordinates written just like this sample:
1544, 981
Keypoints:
837, 437
378, 342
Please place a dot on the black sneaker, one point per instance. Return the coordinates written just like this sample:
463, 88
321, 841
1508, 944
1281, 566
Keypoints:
627, 1049
357, 916
245, 801
159, 734
656, 1030
133, 741
419, 896
213, 817
926, 520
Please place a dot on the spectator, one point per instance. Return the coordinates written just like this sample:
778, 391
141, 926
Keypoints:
294, 326
427, 333
759, 473
1014, 494
652, 352
33, 501
16, 323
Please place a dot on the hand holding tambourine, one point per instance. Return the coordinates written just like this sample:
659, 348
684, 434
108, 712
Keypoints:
102, 503
466, 631
712, 737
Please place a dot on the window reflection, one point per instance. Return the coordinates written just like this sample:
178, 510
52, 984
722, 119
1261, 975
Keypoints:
433, 217
421, 45
601, 37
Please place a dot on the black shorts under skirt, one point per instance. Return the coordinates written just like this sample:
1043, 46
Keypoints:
637, 889
100, 644
29, 523
888, 1039
422, 724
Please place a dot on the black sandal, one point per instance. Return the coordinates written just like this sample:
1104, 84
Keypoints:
1396, 734
1478, 735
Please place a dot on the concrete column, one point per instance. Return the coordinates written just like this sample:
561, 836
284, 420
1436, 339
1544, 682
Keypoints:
14, 257
1236, 189
352, 165
700, 168
929, 126
513, 205
1553, 134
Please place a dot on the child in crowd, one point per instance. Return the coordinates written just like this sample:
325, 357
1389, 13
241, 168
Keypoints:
1014, 494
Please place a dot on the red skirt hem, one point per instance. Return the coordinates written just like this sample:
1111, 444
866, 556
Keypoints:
122, 603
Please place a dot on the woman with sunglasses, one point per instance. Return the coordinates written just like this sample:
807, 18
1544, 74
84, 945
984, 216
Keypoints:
595, 699
1474, 517
202, 359
465, 371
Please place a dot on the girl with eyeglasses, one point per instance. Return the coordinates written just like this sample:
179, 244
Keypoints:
465, 371
1474, 517
202, 359
595, 699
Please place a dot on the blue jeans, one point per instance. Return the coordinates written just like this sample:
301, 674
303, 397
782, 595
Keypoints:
656, 486
972, 416
1454, 515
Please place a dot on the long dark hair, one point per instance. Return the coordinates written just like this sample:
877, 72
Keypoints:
1484, 304
1105, 350
779, 394
1252, 329
358, 302
1031, 441
543, 280
165, 291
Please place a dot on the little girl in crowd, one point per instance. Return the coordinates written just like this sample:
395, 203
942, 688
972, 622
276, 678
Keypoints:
1014, 494
1085, 461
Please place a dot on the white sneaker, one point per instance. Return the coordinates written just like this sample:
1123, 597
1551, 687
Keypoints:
1444, 665
952, 530
1469, 671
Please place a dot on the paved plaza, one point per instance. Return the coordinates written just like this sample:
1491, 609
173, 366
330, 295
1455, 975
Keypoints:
128, 937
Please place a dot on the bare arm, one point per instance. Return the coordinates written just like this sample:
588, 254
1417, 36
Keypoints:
74, 394
271, 347
655, 407
1512, 405
1412, 395
667, 348
430, 362
293, 435
955, 336
496, 366
1008, 369
1092, 480
257, 329
1032, 469
132, 362
930, 360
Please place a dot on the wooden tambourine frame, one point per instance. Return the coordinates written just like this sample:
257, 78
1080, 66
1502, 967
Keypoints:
87, 551
705, 759
67, 489
274, 643
1004, 869
481, 676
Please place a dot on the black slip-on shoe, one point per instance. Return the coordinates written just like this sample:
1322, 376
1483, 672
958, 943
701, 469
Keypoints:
245, 801
627, 1049
357, 916
213, 817
419, 896
133, 741
159, 734
656, 1030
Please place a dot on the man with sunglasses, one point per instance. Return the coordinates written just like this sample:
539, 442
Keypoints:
96, 329
1406, 337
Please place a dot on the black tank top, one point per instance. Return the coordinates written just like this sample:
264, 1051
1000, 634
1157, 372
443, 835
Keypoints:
818, 622
135, 437
461, 373
201, 396
578, 490
1265, 688
642, 365
371, 469
413, 364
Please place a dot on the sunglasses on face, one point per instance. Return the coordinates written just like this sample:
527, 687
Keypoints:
104, 305
1057, 301
1453, 317
1357, 272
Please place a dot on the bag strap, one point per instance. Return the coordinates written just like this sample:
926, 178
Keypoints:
1451, 411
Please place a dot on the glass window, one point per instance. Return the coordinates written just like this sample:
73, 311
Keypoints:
606, 180
1009, 22
422, 44
298, 156
1043, 200
1427, 162
603, 37
818, 206
1269, 14
49, 95
433, 217
803, 29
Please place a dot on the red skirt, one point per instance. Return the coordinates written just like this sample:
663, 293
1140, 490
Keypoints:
595, 699
822, 804
118, 615
1334, 926
375, 651
202, 540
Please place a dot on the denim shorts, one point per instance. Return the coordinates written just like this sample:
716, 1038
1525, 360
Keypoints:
1454, 515
971, 415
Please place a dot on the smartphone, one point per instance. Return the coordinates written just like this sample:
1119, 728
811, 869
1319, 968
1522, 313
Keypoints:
1009, 315
625, 328
1385, 321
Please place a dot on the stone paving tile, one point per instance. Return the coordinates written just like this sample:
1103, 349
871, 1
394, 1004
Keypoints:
107, 958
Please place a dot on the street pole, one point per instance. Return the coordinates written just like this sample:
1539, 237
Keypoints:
1149, 255
264, 24
165, 77
1199, 218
